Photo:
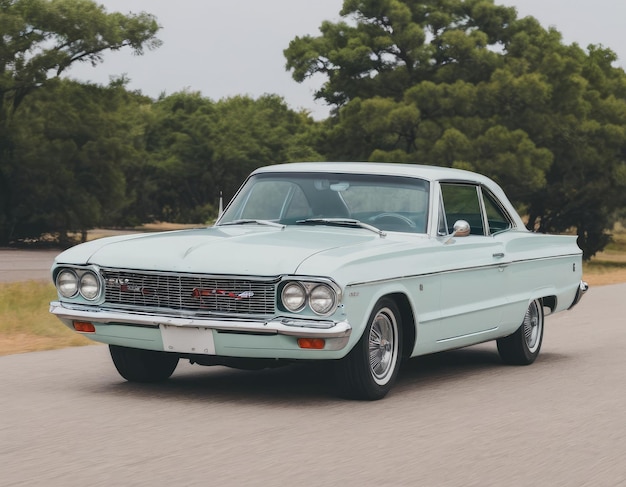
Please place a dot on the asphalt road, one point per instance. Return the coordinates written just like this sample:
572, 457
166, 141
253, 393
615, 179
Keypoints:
454, 419
25, 265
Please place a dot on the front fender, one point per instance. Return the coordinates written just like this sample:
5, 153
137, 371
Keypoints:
422, 296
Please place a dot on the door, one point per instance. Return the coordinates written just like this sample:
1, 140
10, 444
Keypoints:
473, 293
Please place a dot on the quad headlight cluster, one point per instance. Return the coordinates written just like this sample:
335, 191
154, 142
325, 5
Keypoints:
74, 282
321, 297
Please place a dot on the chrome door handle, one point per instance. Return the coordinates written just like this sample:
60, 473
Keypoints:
498, 255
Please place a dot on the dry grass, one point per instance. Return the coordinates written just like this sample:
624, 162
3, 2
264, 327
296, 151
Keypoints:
609, 266
603, 277
25, 323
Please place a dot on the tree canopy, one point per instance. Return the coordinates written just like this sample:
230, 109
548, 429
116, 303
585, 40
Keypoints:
467, 83
463, 83
87, 155
199, 149
40, 40
75, 146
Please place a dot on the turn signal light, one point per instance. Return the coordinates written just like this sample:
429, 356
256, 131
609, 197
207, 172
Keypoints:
84, 327
313, 343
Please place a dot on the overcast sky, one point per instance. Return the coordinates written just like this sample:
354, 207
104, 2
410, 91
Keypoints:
224, 48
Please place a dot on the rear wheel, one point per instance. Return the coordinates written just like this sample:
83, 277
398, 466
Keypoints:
522, 347
137, 365
371, 368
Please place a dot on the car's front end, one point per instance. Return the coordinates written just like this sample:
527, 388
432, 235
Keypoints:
203, 314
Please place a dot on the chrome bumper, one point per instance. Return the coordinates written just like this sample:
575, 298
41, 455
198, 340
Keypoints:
582, 289
327, 329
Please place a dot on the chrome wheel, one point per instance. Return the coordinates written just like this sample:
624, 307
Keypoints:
383, 345
522, 347
370, 369
531, 326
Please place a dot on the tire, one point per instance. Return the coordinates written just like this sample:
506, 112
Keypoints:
370, 369
137, 365
523, 346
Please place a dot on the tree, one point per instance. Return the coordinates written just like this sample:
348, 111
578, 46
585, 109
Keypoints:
200, 149
40, 40
76, 147
466, 83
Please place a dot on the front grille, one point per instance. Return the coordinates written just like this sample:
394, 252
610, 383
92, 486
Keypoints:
147, 291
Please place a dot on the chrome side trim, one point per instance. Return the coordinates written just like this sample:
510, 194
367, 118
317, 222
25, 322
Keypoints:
468, 335
495, 265
276, 326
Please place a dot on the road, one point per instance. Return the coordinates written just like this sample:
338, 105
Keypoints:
454, 419
24, 265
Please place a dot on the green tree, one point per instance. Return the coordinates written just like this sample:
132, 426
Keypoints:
40, 40
200, 149
466, 83
76, 146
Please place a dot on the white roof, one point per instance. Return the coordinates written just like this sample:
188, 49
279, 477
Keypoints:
429, 173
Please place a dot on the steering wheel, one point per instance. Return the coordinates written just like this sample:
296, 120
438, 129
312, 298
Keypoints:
392, 218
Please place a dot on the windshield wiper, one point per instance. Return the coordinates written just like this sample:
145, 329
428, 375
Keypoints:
258, 222
342, 222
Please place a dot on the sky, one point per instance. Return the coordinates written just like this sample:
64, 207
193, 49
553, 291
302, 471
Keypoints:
224, 48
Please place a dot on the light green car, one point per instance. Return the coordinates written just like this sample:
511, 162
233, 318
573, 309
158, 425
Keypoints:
362, 264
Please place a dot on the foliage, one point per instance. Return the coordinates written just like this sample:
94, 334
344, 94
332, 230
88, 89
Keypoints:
74, 148
40, 40
200, 149
466, 83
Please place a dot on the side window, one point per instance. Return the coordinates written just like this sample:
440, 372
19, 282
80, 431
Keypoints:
497, 218
461, 202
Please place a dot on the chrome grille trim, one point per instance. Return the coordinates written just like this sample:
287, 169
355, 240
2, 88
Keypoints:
187, 292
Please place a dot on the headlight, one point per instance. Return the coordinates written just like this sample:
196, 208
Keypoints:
322, 299
89, 286
319, 295
293, 296
67, 283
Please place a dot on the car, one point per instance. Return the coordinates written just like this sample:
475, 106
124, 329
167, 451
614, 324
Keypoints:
358, 265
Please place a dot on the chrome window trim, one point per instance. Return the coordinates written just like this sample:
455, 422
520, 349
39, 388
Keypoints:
494, 199
483, 210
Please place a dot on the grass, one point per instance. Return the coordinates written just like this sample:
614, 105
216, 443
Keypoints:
27, 326
25, 323
608, 266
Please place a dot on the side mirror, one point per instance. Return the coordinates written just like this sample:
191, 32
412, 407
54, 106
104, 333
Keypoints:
461, 229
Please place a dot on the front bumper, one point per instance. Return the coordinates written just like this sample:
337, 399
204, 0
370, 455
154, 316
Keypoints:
335, 333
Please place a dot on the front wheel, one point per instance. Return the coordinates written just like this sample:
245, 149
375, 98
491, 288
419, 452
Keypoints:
371, 368
522, 347
137, 365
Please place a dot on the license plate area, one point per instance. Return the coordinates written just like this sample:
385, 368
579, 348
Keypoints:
187, 339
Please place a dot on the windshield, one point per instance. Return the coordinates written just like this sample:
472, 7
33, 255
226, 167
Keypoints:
389, 203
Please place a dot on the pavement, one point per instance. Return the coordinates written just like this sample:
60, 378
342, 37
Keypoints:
26, 265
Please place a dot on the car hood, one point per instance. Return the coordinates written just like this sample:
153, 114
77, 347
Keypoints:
237, 250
